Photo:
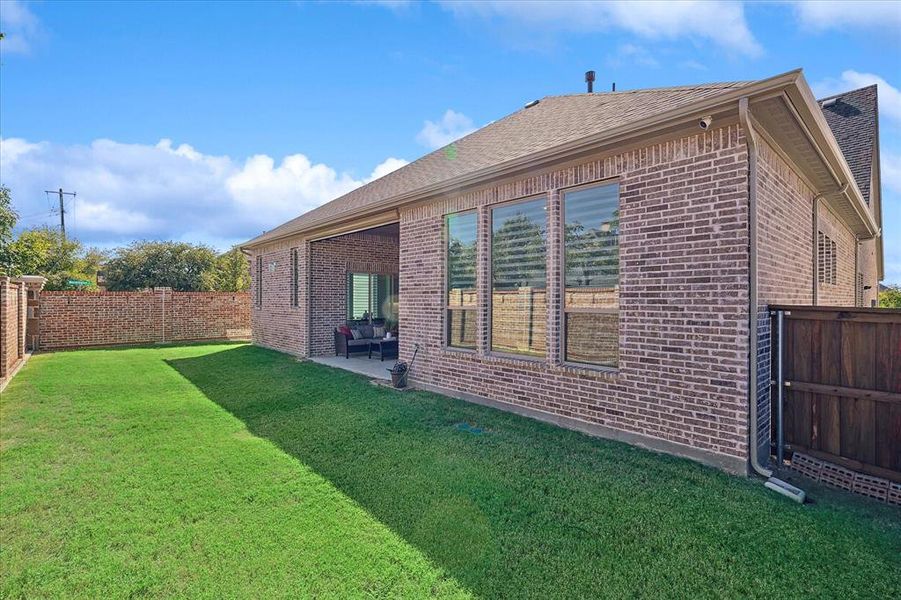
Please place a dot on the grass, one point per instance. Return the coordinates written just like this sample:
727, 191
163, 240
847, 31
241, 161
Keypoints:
233, 471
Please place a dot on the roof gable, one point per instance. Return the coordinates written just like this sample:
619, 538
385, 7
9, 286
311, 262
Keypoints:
853, 119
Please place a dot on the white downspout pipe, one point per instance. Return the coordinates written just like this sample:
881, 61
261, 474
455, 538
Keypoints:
744, 115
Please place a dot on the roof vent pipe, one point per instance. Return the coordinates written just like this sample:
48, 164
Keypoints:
589, 79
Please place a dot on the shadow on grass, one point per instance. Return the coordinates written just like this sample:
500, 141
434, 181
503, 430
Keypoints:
515, 508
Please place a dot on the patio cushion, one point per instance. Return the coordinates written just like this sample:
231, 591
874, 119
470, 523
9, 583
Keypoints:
378, 332
357, 333
366, 331
344, 329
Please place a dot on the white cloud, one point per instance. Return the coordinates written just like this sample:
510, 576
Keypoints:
452, 126
162, 191
719, 21
821, 15
631, 54
19, 25
889, 95
890, 171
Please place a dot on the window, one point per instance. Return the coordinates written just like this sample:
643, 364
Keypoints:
826, 259
294, 280
519, 278
372, 295
591, 275
461, 232
259, 281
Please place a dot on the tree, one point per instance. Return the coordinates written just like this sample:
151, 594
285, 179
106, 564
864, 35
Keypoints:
8, 219
43, 251
230, 273
183, 267
518, 251
890, 297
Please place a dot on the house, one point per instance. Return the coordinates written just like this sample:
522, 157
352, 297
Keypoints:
603, 261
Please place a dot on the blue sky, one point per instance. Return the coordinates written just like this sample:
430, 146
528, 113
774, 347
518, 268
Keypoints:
212, 122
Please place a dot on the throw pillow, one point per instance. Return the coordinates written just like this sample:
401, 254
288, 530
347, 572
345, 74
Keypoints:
345, 331
378, 332
366, 330
358, 335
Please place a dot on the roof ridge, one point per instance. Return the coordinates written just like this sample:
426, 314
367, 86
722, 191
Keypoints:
845, 93
700, 86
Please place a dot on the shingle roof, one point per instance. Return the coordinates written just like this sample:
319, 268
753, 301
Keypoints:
554, 121
853, 120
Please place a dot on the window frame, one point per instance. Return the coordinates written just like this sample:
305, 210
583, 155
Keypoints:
295, 278
445, 342
372, 281
259, 282
561, 249
546, 196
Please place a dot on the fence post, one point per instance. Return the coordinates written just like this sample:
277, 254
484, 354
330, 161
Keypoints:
780, 386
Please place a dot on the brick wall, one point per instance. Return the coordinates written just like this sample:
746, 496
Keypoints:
12, 325
277, 322
74, 319
330, 262
844, 291
682, 373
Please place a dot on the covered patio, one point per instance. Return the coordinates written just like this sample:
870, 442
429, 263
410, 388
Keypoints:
354, 288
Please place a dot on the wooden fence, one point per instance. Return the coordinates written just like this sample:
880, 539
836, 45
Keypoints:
842, 386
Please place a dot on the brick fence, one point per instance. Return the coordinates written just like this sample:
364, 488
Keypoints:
74, 319
12, 326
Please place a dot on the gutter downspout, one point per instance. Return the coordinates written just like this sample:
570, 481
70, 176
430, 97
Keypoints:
816, 248
744, 116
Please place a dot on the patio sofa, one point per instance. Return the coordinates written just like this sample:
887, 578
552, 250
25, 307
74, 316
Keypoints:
346, 343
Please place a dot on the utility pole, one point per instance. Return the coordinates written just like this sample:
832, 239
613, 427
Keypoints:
62, 209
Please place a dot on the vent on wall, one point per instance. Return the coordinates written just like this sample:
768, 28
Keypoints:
826, 259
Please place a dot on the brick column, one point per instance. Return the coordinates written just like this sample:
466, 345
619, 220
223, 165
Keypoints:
554, 274
22, 317
483, 279
304, 298
4, 323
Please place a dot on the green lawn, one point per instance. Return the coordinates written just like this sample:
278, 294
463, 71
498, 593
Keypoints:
233, 471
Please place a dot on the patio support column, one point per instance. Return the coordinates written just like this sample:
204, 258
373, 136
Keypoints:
483, 279
554, 286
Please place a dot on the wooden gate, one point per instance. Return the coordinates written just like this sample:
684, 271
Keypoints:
842, 386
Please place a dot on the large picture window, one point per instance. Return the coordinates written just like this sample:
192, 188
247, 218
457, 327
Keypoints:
519, 278
461, 232
591, 275
372, 295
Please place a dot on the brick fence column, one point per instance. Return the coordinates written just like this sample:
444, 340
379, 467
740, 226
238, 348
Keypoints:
22, 317
164, 303
4, 322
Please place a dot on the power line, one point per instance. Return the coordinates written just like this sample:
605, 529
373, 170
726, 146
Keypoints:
62, 208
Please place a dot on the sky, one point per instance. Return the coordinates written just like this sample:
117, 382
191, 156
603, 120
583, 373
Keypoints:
212, 122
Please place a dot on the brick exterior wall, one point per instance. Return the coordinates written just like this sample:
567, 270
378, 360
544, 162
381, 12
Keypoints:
844, 291
682, 374
330, 262
12, 325
277, 323
76, 319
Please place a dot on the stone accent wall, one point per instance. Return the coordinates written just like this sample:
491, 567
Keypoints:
76, 319
12, 325
682, 375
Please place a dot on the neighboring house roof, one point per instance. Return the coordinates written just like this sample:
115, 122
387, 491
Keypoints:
555, 120
853, 120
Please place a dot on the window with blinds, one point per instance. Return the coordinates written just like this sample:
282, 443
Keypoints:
461, 231
519, 278
826, 259
591, 275
372, 295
